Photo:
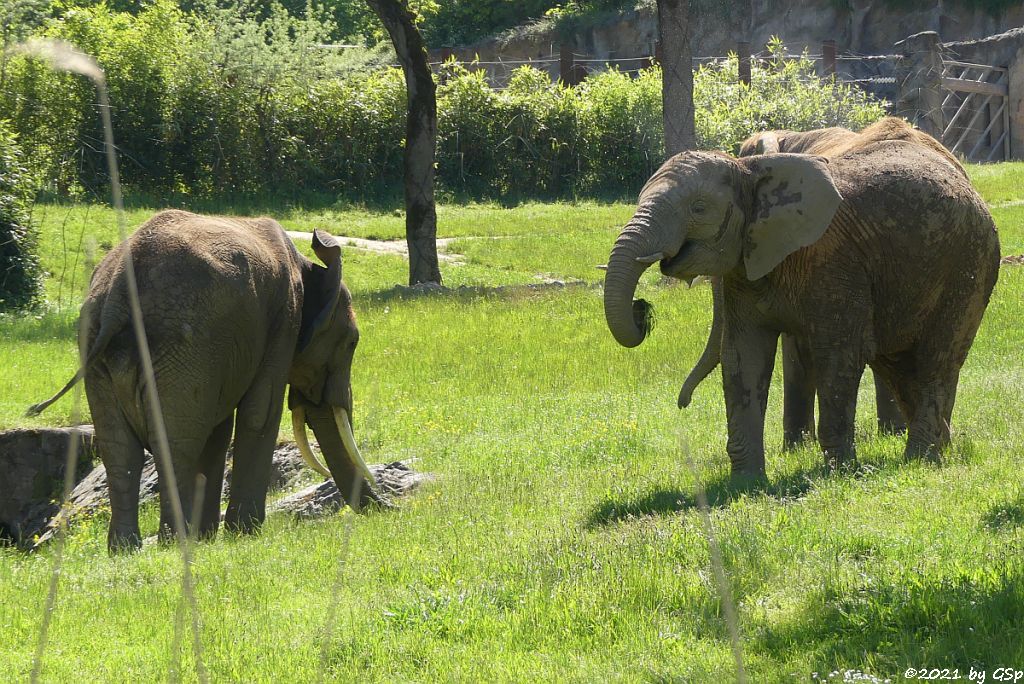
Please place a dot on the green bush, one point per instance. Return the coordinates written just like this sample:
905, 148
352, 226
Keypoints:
783, 94
20, 275
231, 101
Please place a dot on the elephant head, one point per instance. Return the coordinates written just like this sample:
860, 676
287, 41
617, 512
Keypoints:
320, 377
711, 214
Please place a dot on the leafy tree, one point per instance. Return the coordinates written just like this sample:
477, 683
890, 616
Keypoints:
20, 275
420, 139
677, 74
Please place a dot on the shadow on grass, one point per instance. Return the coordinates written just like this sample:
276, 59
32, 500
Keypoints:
974, 617
1005, 516
47, 327
720, 492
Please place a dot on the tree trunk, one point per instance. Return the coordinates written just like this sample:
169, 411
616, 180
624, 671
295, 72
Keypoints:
420, 137
676, 75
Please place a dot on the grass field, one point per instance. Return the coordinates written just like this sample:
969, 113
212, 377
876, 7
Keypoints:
561, 540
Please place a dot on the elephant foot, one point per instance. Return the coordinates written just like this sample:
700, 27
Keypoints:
891, 427
371, 499
840, 461
242, 519
748, 478
930, 453
791, 441
123, 541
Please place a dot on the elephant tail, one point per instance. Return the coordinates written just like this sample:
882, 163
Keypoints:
712, 354
112, 320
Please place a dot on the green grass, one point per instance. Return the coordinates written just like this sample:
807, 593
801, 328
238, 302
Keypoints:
561, 541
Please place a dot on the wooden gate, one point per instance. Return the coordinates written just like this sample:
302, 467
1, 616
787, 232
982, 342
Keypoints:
977, 111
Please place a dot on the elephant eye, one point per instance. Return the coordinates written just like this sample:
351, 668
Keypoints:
698, 207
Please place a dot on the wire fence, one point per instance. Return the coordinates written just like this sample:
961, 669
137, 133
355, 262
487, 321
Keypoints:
874, 73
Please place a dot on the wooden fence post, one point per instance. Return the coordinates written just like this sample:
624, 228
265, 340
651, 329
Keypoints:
828, 58
743, 52
658, 52
565, 64
919, 73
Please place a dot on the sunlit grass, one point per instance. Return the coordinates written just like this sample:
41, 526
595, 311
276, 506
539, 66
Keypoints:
560, 541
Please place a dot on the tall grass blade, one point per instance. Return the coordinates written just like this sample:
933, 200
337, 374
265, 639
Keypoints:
717, 565
65, 57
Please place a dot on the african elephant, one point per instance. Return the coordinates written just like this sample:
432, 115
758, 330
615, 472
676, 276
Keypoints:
830, 252
798, 374
233, 314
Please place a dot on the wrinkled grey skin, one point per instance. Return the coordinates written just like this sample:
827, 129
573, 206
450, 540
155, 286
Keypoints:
818, 249
233, 314
798, 373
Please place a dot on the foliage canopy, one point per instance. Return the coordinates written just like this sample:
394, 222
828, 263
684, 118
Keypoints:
232, 102
20, 275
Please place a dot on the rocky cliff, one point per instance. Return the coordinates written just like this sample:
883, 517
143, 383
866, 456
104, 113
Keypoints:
858, 27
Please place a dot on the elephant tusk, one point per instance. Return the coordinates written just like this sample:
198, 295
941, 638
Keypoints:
349, 440
651, 258
299, 428
602, 267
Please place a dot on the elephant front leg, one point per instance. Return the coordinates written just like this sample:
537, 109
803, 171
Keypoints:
748, 358
798, 392
256, 427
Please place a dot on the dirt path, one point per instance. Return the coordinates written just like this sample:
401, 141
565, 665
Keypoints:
396, 247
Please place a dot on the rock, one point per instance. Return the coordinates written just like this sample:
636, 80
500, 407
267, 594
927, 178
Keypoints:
91, 494
32, 471
32, 464
394, 479
287, 471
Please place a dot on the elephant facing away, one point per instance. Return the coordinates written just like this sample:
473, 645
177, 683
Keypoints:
883, 255
798, 373
233, 315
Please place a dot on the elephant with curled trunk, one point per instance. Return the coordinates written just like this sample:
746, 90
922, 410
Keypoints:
883, 255
798, 372
233, 315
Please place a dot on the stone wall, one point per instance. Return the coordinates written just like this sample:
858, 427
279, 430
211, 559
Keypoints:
860, 27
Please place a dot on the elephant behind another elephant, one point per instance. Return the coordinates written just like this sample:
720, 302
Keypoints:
798, 374
818, 249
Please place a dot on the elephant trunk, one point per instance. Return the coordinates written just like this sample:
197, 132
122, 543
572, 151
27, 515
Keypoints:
712, 354
636, 248
333, 430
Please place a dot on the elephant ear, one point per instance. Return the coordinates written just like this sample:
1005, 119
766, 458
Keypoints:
795, 199
322, 291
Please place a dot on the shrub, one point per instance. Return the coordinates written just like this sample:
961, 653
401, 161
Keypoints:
783, 94
20, 274
623, 130
231, 101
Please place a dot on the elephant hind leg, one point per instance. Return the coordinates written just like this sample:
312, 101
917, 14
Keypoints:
123, 457
887, 409
798, 392
211, 466
929, 431
838, 382
184, 456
